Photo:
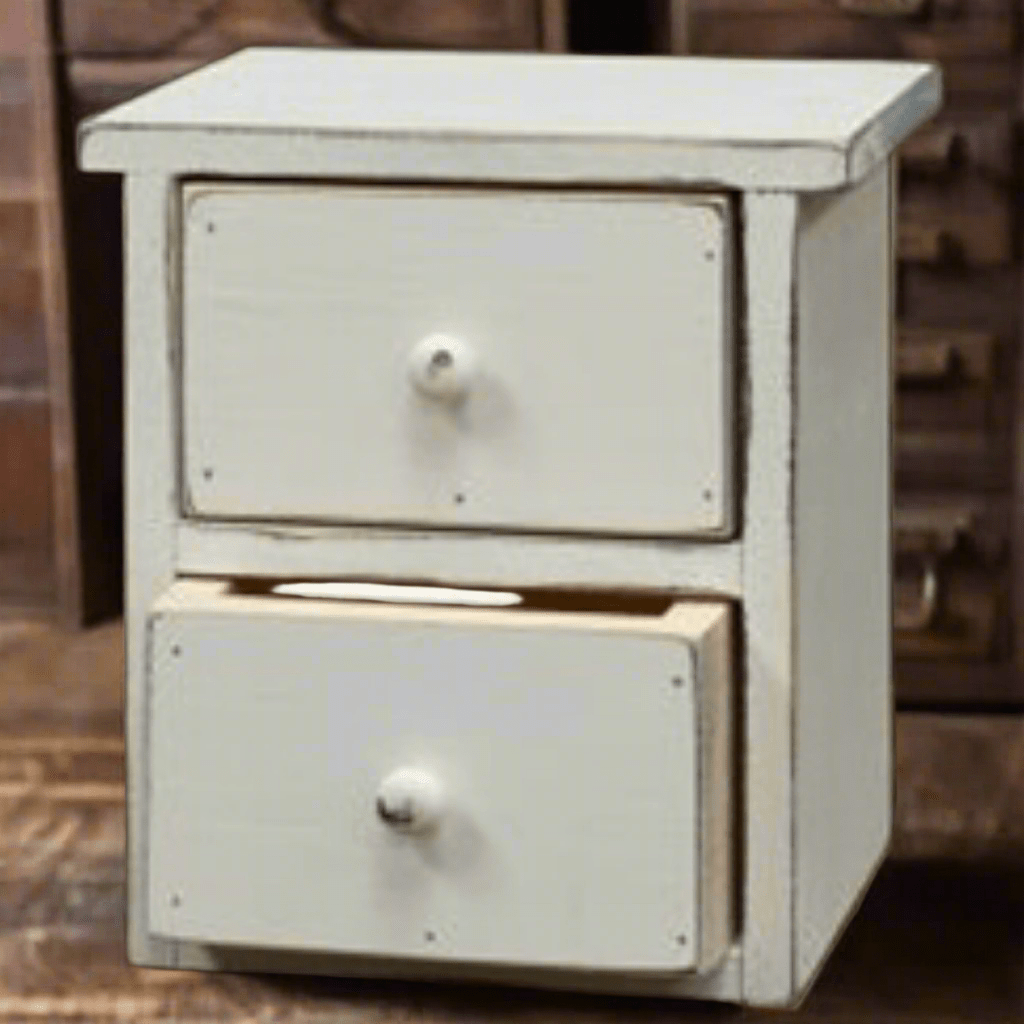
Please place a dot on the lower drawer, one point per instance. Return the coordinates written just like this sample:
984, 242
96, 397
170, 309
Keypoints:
507, 786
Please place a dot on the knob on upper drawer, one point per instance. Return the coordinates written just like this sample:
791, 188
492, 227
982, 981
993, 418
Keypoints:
443, 367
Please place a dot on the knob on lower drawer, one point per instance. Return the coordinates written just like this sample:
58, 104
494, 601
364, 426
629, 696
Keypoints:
410, 800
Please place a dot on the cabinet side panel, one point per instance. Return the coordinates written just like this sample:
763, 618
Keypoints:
843, 705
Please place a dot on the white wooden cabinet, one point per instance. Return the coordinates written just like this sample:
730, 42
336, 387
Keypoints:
607, 341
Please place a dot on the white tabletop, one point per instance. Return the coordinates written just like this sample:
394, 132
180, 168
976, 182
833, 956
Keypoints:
743, 123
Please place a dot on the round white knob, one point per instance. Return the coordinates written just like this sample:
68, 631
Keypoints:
442, 367
410, 800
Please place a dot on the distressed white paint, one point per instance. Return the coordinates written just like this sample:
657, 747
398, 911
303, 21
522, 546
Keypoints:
599, 323
801, 708
843, 697
770, 240
151, 499
471, 559
582, 823
520, 117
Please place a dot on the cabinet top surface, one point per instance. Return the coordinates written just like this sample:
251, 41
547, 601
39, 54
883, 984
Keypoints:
745, 123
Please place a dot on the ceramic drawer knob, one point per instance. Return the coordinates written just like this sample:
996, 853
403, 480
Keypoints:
443, 367
410, 800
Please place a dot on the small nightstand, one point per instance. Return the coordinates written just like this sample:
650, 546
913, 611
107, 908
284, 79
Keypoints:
606, 342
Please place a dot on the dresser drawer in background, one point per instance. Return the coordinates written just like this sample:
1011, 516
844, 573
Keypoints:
951, 577
979, 142
973, 40
946, 379
532, 360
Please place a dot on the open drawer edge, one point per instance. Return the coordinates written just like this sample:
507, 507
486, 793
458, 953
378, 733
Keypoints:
583, 766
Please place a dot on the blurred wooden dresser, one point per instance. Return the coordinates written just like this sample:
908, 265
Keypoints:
959, 559
39, 548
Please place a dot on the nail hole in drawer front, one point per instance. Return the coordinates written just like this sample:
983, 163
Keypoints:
535, 360
407, 774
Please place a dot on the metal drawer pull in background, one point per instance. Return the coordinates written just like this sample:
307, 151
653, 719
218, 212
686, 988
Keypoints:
399, 594
923, 615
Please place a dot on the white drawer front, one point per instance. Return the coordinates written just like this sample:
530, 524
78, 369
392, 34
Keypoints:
579, 761
585, 387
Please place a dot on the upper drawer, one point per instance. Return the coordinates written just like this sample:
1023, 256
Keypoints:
533, 359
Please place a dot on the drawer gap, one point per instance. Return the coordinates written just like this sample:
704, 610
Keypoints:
614, 602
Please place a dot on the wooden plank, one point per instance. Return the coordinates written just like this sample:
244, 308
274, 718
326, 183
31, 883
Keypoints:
976, 53
940, 355
473, 559
953, 229
17, 156
979, 141
555, 25
98, 83
944, 458
953, 685
150, 29
932, 10
1016, 376
963, 298
23, 360
19, 234
771, 226
62, 462
490, 24
677, 26
945, 811
203, 29
28, 585
841, 691
26, 513
604, 130
834, 35
14, 29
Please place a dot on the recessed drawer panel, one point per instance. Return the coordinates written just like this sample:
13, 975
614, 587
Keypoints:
513, 786
533, 360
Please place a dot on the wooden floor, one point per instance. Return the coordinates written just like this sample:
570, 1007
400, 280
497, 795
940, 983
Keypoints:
940, 937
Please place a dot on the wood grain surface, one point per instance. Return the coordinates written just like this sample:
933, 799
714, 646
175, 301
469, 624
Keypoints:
940, 937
